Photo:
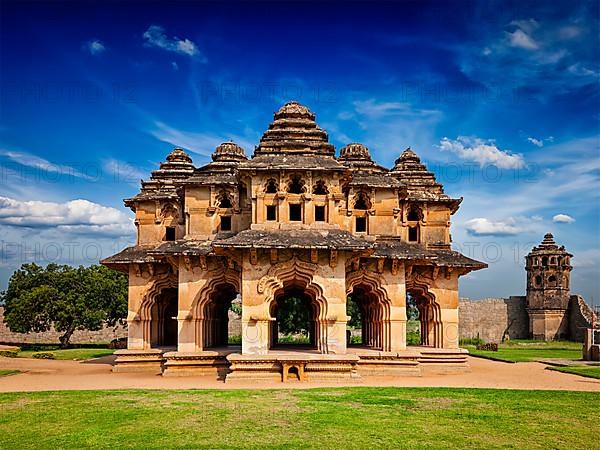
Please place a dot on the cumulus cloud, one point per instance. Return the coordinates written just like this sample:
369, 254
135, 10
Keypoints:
75, 216
520, 39
563, 218
155, 36
483, 152
95, 47
481, 226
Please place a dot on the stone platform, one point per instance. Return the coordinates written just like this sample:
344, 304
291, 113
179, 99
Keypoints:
228, 364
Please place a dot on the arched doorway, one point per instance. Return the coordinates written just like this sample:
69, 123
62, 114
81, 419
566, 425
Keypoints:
428, 315
215, 323
294, 316
367, 314
163, 322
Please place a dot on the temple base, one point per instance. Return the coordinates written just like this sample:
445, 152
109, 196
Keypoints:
149, 360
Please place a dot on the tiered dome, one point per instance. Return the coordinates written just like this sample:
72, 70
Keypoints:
294, 131
548, 246
355, 152
178, 166
418, 180
229, 151
162, 182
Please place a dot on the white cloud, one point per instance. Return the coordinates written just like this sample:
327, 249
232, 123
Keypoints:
536, 142
374, 109
481, 226
43, 166
520, 39
200, 143
174, 65
155, 37
482, 152
563, 218
95, 47
75, 216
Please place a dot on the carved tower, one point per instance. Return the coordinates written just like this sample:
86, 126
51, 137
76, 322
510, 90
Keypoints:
548, 292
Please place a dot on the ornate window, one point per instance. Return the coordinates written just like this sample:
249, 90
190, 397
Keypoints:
538, 280
544, 260
296, 185
271, 186
361, 201
224, 200
414, 214
320, 188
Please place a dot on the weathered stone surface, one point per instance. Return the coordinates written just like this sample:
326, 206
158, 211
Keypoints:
105, 335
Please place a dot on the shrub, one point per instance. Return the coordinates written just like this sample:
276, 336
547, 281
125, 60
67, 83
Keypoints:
12, 353
490, 347
293, 339
355, 339
413, 338
118, 344
44, 355
234, 340
472, 341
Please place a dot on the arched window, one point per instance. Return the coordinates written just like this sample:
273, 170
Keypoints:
538, 280
271, 187
361, 201
296, 185
320, 188
224, 200
553, 260
414, 214
544, 260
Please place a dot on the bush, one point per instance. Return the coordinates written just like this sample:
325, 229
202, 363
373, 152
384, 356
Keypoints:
118, 344
44, 355
234, 340
355, 339
472, 341
12, 353
413, 338
491, 347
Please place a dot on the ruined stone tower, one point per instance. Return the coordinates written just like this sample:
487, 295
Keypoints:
548, 292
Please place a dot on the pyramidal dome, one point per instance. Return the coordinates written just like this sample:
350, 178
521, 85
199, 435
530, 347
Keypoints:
294, 131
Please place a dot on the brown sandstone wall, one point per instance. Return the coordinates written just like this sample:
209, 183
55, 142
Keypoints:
51, 337
490, 318
580, 318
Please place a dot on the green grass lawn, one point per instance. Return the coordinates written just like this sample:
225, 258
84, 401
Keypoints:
527, 350
584, 371
71, 353
8, 372
311, 418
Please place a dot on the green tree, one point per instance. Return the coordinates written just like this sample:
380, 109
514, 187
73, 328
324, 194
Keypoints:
64, 297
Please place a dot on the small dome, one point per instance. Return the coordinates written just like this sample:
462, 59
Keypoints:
228, 151
355, 151
294, 109
408, 155
178, 155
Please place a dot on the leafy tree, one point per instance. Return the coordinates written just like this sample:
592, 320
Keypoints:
64, 297
293, 315
353, 310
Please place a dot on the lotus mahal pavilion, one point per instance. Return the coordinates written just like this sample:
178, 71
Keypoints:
293, 220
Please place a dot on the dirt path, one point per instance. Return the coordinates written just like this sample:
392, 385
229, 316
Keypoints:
43, 375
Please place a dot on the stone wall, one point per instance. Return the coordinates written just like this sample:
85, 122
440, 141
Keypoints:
51, 337
580, 318
490, 318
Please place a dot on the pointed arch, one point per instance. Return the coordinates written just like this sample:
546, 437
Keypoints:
429, 312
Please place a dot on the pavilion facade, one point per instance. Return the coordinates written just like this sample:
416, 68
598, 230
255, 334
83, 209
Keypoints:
292, 220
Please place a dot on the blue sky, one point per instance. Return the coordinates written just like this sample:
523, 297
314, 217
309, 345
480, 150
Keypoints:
500, 99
